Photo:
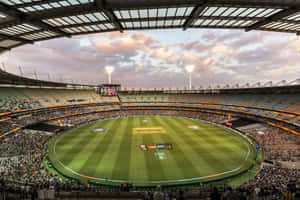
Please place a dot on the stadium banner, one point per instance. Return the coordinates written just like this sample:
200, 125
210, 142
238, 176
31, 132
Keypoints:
5, 119
12, 131
229, 124
160, 156
143, 147
148, 130
169, 146
146, 147
284, 128
99, 129
194, 127
160, 146
151, 147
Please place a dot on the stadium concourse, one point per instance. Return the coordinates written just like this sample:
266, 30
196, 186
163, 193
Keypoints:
32, 115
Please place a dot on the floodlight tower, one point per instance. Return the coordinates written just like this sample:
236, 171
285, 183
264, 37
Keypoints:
190, 69
109, 70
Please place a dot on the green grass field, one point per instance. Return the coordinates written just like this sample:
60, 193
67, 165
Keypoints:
115, 154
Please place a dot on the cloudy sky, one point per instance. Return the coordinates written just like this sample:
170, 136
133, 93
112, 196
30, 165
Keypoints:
157, 58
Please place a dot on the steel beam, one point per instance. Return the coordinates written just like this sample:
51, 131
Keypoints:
35, 3
10, 37
277, 16
194, 14
109, 13
4, 49
26, 18
66, 11
128, 4
166, 18
163, 3
109, 5
172, 18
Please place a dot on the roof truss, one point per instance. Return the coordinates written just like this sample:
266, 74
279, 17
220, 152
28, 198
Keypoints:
22, 17
15, 38
195, 13
27, 21
101, 4
274, 17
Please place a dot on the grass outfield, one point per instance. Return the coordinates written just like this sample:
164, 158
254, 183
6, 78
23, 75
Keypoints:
115, 154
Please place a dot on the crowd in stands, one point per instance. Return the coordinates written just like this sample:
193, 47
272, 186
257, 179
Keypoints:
22, 164
9, 103
228, 193
19, 99
275, 176
22, 142
22, 157
275, 181
288, 102
32, 118
277, 145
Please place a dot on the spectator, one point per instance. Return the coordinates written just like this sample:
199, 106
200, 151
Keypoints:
158, 194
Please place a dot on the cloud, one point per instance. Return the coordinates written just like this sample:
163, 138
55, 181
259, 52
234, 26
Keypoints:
157, 59
222, 49
163, 53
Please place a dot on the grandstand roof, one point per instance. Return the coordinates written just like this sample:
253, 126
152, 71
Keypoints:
11, 80
27, 21
8, 78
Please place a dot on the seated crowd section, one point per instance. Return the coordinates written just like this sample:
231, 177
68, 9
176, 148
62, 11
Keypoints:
288, 102
12, 99
271, 101
23, 159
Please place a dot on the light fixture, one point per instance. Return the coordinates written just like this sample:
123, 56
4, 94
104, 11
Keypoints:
109, 70
190, 69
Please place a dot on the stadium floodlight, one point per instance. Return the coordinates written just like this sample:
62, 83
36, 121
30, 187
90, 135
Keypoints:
190, 69
109, 70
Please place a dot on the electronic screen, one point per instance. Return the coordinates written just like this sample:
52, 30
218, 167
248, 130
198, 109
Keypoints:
109, 91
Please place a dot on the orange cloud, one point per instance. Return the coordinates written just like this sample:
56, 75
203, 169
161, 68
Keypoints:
162, 53
125, 42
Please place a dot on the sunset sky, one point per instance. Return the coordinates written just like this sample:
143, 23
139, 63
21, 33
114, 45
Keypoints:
157, 58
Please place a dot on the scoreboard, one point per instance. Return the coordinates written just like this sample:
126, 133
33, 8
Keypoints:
108, 90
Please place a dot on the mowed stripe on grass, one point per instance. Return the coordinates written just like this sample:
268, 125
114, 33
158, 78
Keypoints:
181, 156
211, 146
115, 154
98, 151
121, 167
138, 157
71, 144
192, 145
154, 167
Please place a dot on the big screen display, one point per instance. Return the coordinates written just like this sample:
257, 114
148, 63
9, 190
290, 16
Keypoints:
108, 91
